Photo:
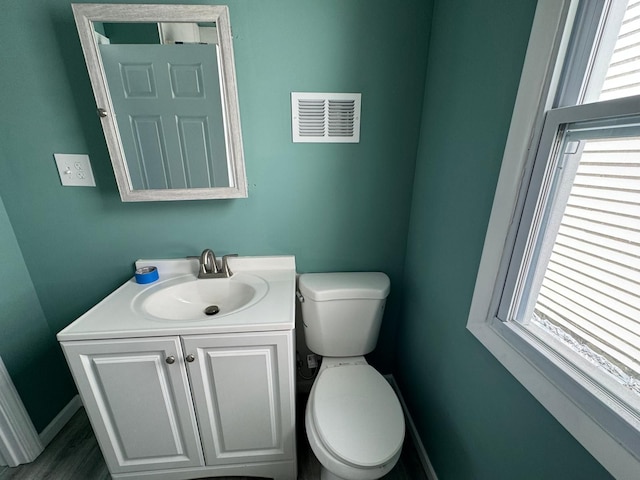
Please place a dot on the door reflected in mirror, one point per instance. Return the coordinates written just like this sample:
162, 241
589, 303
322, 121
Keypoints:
171, 119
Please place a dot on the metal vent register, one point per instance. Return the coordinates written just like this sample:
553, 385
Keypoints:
325, 117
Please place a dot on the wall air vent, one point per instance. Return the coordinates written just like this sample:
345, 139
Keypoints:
325, 117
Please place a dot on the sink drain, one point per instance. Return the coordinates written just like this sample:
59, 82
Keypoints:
211, 310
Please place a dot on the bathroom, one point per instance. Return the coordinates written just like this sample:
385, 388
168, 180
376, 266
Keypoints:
412, 199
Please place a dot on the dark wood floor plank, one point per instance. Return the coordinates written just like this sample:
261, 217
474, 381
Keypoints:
73, 454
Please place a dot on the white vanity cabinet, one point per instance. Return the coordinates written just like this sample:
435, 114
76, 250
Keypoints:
173, 393
190, 406
139, 405
242, 387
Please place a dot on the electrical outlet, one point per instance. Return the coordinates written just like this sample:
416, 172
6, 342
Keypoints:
312, 361
74, 170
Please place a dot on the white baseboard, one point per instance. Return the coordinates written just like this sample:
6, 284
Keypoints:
422, 453
19, 441
54, 427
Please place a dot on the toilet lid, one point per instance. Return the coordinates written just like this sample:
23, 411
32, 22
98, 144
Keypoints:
357, 415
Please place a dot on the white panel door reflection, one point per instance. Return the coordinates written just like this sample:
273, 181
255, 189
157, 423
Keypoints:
168, 109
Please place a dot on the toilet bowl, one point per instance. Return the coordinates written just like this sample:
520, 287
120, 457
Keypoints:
354, 421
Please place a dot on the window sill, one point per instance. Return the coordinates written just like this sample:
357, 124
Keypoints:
563, 395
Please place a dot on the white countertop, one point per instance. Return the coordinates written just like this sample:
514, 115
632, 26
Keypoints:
116, 317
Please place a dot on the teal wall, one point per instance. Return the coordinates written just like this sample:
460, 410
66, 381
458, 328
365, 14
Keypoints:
335, 207
27, 345
475, 419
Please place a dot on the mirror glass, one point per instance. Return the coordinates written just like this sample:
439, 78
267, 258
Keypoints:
164, 82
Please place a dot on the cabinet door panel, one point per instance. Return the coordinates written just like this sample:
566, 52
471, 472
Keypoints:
139, 406
242, 388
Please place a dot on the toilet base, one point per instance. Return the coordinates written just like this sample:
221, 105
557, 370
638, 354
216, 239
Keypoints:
327, 475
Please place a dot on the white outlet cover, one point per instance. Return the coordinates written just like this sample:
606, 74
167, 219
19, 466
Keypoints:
75, 170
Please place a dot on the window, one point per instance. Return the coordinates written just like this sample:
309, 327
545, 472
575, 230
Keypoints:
557, 298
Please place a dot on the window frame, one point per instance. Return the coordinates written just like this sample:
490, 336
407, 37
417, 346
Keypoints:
560, 387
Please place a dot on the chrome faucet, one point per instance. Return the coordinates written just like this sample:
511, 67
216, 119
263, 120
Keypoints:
209, 265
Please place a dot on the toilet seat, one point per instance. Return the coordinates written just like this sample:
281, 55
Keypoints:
357, 415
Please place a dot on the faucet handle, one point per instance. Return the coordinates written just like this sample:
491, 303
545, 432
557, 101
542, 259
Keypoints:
225, 264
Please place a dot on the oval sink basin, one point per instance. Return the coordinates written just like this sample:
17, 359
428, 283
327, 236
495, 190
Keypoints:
187, 298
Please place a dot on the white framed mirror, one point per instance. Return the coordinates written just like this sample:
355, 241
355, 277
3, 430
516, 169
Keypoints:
164, 81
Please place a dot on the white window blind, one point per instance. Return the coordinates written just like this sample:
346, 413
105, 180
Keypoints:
590, 294
589, 297
623, 74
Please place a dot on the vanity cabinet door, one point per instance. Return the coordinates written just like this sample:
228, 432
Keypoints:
137, 397
242, 386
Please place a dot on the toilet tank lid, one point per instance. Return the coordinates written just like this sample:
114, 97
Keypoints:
345, 285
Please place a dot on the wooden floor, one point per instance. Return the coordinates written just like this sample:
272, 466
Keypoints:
74, 455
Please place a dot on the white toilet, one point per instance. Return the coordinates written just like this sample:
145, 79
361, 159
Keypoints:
354, 420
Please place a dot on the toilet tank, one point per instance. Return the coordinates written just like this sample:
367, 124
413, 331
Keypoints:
342, 312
